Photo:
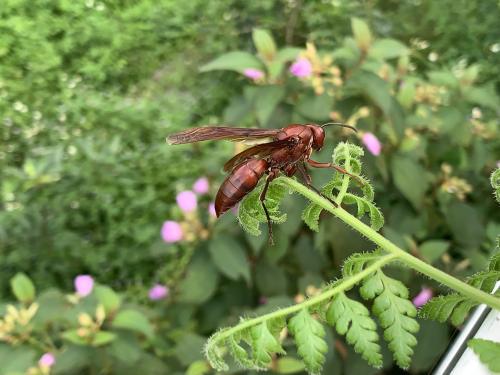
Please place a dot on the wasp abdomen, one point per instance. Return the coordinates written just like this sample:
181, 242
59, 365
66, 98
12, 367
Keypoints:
242, 180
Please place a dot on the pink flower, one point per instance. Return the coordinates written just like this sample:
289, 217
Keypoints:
422, 297
211, 209
372, 143
171, 231
84, 285
187, 201
254, 74
158, 292
201, 186
301, 68
47, 360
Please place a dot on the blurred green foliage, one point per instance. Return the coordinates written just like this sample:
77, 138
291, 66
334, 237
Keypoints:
88, 91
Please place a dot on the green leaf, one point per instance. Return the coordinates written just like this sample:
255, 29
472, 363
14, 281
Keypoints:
200, 281
16, 360
264, 43
288, 54
135, 321
108, 298
373, 87
289, 365
126, 348
73, 337
73, 359
229, 257
267, 98
103, 338
410, 178
362, 33
488, 352
352, 319
483, 95
357, 262
251, 213
309, 336
443, 78
264, 344
433, 249
271, 279
396, 314
22, 287
465, 224
236, 60
198, 368
189, 348
452, 306
315, 107
388, 49
432, 335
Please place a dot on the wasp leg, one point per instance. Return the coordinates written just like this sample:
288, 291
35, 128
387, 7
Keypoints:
307, 178
317, 164
272, 175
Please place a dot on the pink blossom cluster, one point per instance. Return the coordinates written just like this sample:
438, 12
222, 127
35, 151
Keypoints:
84, 284
187, 201
301, 68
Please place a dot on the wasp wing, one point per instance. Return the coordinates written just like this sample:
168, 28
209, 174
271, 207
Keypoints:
207, 133
258, 151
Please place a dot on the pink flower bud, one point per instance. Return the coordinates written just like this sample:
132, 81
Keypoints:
84, 285
171, 231
372, 143
422, 297
158, 292
211, 209
254, 74
187, 201
201, 186
301, 68
47, 360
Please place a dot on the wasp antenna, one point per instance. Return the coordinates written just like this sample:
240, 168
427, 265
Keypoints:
340, 124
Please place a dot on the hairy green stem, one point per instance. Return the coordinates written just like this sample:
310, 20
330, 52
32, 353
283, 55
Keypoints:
345, 180
413, 262
325, 296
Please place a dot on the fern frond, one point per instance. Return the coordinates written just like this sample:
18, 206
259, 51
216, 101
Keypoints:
250, 212
488, 352
352, 319
494, 263
485, 280
309, 336
312, 212
366, 206
395, 313
215, 354
359, 261
347, 156
239, 354
454, 307
495, 183
264, 344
